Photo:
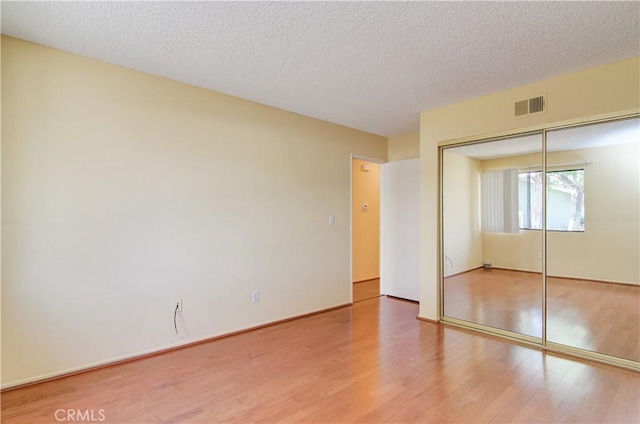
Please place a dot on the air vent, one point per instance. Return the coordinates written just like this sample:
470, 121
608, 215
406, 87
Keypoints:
529, 106
522, 107
536, 104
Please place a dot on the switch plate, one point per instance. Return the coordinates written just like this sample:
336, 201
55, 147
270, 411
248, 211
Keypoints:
330, 219
255, 297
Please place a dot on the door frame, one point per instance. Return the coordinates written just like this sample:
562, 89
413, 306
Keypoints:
379, 161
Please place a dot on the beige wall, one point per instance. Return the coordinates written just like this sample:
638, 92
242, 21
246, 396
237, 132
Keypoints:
606, 90
122, 192
609, 247
366, 222
461, 205
405, 146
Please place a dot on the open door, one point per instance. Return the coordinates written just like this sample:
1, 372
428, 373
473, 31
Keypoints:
400, 229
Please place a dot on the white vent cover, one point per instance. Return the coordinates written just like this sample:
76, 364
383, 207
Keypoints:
529, 106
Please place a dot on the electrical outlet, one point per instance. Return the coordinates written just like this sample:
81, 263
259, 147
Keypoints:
178, 305
255, 297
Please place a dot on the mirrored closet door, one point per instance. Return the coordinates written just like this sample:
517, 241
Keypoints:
491, 232
540, 238
593, 238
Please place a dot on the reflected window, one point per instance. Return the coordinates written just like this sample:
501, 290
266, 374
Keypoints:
565, 200
500, 201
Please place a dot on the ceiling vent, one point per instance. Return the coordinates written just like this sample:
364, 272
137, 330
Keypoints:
529, 106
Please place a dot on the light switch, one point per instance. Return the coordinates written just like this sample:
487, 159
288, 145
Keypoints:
330, 219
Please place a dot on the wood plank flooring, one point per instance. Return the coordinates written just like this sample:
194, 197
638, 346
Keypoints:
366, 290
590, 315
372, 362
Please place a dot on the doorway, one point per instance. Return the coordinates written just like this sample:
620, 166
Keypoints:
365, 228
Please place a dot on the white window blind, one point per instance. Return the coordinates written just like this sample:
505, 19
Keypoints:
499, 206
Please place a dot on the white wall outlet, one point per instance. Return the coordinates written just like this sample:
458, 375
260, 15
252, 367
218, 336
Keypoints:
178, 305
255, 297
539, 256
330, 219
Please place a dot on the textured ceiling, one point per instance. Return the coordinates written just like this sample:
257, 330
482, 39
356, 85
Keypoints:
368, 65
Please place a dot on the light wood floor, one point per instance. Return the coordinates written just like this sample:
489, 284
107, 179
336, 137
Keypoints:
372, 362
366, 290
590, 315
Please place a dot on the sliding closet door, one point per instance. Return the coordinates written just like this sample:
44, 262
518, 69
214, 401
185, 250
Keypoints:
492, 235
593, 238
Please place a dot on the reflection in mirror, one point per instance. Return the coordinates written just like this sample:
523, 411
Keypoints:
492, 215
593, 242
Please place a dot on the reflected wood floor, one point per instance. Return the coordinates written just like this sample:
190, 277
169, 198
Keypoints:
366, 290
591, 315
509, 300
372, 362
